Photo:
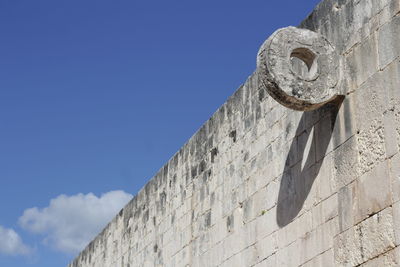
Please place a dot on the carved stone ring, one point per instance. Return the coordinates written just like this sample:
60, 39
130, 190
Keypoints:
306, 89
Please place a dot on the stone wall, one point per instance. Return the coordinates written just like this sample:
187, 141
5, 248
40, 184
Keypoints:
262, 185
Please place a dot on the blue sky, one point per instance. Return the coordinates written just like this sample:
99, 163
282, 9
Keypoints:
95, 96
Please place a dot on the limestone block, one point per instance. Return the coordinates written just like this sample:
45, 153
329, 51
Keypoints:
325, 211
249, 256
396, 221
359, 66
248, 234
289, 256
346, 206
391, 118
370, 101
373, 192
265, 224
345, 163
391, 80
233, 244
395, 176
389, 259
304, 225
325, 259
267, 246
270, 261
391, 135
205, 259
259, 202
296, 230
319, 240
344, 14
389, 42
371, 146
215, 255
345, 125
368, 239
272, 194
325, 181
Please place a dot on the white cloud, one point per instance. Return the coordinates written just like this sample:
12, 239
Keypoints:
69, 223
11, 243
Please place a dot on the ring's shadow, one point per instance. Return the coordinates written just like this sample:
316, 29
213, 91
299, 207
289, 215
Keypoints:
298, 176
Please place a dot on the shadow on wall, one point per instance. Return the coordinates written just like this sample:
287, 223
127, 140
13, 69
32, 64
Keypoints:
299, 175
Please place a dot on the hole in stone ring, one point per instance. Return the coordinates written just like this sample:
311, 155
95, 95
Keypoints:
303, 63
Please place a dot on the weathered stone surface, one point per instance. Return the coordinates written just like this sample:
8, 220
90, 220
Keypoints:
389, 259
373, 192
389, 42
366, 240
263, 185
295, 86
394, 164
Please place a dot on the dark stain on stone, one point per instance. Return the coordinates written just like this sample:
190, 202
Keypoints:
247, 205
207, 221
163, 199
159, 255
194, 172
202, 133
231, 169
288, 128
221, 114
348, 125
183, 195
210, 143
214, 153
129, 211
202, 166
230, 223
232, 135
165, 170
360, 233
246, 156
258, 111
147, 189
248, 122
261, 94
229, 110
173, 218
206, 175
145, 216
